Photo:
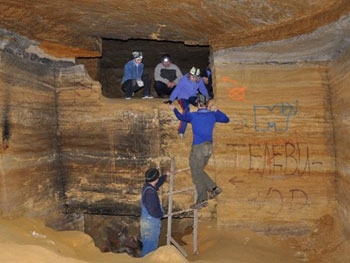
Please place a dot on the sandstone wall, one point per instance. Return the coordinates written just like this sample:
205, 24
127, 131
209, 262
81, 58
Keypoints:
339, 82
275, 159
31, 183
107, 145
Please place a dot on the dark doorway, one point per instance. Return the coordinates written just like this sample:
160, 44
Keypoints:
117, 52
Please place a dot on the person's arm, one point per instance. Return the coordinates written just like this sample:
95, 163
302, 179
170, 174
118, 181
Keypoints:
220, 116
139, 71
157, 76
175, 92
186, 117
202, 88
161, 180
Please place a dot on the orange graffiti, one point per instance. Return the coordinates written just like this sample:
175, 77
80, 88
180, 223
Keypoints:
237, 92
228, 80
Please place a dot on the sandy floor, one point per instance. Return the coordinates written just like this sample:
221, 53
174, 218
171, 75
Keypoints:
29, 241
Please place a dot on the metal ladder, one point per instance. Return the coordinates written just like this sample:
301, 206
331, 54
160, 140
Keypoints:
170, 214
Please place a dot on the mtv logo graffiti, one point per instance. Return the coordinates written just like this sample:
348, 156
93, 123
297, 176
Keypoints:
276, 117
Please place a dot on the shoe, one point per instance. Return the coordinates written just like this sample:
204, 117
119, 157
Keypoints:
199, 205
181, 135
128, 98
147, 97
214, 192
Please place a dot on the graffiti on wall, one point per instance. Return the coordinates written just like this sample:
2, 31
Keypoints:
274, 118
237, 91
285, 159
294, 199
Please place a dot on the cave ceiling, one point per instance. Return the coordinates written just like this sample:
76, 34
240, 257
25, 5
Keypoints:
76, 27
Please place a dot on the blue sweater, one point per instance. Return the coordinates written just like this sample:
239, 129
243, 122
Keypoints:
187, 88
150, 198
132, 70
203, 123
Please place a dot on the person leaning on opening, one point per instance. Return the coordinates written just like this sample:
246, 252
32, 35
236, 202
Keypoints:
186, 91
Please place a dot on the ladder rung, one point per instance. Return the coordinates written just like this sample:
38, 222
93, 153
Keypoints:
182, 170
181, 191
179, 212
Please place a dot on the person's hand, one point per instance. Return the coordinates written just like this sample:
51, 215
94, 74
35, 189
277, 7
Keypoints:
205, 80
213, 108
168, 102
140, 83
171, 85
168, 173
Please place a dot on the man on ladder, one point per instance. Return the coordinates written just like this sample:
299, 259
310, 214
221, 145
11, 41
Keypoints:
203, 123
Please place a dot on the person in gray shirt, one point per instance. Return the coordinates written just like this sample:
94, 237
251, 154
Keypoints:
166, 76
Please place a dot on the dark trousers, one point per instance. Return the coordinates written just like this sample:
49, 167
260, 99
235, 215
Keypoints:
130, 86
199, 158
162, 89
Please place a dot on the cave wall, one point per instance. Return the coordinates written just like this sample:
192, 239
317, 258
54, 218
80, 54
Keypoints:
277, 155
274, 160
339, 75
31, 183
108, 144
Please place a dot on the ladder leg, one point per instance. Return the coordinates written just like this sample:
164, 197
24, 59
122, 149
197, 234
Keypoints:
170, 201
170, 240
195, 224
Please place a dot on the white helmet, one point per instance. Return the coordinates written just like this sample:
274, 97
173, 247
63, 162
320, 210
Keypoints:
195, 72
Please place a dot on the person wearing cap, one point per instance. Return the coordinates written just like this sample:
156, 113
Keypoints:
151, 210
186, 91
166, 76
134, 78
203, 123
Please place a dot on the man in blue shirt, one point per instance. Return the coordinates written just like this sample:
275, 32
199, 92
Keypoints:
134, 78
203, 123
186, 92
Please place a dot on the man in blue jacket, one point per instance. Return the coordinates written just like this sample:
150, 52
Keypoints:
151, 211
203, 123
134, 78
186, 92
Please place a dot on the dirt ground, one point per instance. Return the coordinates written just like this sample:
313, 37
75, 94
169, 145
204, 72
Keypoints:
29, 241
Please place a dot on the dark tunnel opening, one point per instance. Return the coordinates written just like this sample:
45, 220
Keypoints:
117, 52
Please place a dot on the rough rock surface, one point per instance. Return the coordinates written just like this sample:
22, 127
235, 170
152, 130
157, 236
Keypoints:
67, 28
70, 155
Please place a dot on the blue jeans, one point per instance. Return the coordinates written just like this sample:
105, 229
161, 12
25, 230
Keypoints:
185, 106
150, 231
